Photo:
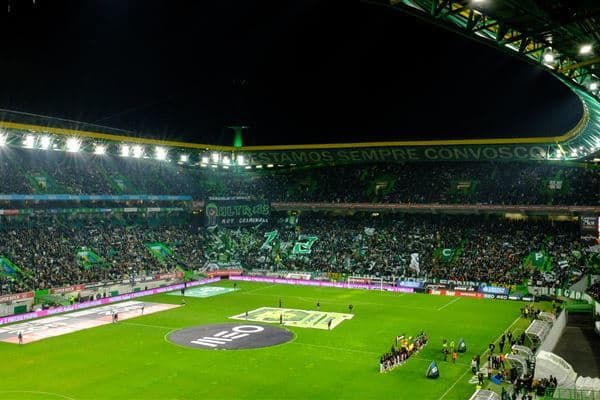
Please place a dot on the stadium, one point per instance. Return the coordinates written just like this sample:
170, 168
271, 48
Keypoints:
136, 266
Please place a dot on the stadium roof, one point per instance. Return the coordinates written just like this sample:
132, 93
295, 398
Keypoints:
559, 36
563, 35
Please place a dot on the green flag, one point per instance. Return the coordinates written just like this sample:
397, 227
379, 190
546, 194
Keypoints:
446, 255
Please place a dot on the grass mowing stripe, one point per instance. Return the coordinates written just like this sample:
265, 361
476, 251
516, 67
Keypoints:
147, 366
448, 303
315, 299
321, 346
482, 355
257, 289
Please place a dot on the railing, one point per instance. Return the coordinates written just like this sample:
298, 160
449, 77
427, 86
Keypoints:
570, 394
436, 207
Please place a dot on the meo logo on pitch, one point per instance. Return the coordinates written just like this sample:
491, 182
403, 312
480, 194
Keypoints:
230, 336
223, 337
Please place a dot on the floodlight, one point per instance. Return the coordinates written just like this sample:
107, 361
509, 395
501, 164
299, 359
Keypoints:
225, 166
203, 165
29, 141
586, 49
549, 57
204, 160
259, 166
184, 158
161, 153
593, 86
45, 142
269, 165
240, 160
2, 140
248, 167
226, 160
124, 150
215, 157
100, 149
214, 166
138, 151
73, 145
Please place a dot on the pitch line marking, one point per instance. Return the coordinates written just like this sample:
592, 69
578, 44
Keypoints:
63, 396
448, 303
482, 355
146, 325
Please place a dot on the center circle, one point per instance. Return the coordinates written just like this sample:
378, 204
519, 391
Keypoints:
230, 336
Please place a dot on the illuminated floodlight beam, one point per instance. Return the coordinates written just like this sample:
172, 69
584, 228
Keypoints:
240, 160
100, 149
29, 141
216, 157
184, 158
124, 150
45, 142
586, 49
226, 160
204, 160
138, 151
73, 145
160, 153
3, 139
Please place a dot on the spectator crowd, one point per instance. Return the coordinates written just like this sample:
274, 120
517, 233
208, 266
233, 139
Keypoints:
484, 249
26, 171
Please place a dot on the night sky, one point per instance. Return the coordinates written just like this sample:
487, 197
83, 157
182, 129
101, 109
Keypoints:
294, 71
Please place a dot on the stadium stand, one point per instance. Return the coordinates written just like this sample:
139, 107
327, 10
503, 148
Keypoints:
490, 250
28, 171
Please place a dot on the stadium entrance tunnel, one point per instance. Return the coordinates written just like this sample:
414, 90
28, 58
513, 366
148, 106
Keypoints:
230, 336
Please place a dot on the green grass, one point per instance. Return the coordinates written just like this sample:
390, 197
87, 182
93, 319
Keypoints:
132, 359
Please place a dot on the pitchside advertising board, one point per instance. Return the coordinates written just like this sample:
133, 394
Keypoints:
590, 225
236, 211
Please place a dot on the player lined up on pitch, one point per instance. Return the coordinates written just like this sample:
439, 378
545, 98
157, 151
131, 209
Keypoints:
401, 351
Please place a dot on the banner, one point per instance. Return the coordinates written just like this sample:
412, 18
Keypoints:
16, 296
67, 289
398, 154
494, 289
414, 263
236, 211
169, 276
410, 284
224, 272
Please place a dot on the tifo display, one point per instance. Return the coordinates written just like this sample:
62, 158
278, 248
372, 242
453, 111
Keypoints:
297, 318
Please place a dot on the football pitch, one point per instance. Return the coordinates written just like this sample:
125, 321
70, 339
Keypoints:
134, 359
